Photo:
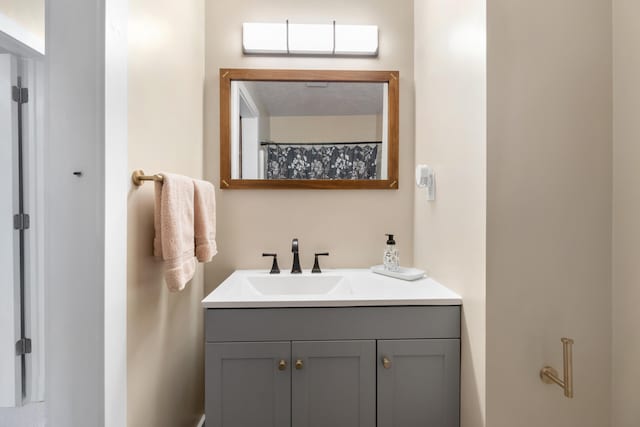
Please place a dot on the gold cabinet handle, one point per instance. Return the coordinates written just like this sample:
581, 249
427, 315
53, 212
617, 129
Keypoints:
548, 375
282, 365
386, 362
299, 364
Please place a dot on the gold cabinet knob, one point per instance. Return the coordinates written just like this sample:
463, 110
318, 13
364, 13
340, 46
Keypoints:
282, 365
299, 364
386, 362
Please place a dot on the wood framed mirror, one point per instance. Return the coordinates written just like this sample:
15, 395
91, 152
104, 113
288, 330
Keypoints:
315, 129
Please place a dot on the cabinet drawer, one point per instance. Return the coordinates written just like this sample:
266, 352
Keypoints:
343, 323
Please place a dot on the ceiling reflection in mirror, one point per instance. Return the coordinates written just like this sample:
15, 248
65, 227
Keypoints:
309, 130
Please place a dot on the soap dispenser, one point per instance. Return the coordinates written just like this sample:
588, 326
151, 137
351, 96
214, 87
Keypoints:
391, 259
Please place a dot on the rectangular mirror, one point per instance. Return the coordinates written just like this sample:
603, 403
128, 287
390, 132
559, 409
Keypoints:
308, 129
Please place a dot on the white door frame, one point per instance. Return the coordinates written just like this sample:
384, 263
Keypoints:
87, 186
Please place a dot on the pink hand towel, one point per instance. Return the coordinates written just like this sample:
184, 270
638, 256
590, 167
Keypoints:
205, 220
174, 226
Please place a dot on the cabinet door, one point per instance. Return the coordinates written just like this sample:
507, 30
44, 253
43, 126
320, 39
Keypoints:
246, 385
333, 383
419, 383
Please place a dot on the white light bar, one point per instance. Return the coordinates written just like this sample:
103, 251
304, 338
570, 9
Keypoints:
309, 39
264, 38
356, 40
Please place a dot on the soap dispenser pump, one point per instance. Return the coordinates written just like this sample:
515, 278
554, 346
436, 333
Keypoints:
391, 259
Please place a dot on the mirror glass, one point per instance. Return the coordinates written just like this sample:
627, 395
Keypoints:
308, 130
288, 128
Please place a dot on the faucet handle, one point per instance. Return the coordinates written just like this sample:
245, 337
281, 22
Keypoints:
316, 265
274, 267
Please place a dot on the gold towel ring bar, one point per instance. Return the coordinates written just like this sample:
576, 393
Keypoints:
138, 177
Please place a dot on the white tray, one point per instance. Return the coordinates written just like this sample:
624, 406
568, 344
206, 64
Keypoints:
403, 273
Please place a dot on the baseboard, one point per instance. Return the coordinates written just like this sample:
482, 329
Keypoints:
201, 422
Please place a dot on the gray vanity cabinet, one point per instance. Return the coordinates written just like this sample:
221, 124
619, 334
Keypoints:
333, 383
246, 386
418, 383
339, 367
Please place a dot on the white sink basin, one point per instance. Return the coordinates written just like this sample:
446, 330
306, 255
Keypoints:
331, 288
298, 285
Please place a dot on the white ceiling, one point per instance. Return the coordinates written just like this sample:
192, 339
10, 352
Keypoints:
299, 99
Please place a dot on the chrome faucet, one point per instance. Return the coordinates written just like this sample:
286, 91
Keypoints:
295, 269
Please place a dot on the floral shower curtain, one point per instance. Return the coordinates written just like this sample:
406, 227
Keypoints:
331, 161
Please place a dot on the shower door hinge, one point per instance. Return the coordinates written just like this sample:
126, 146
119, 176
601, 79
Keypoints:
20, 94
21, 222
23, 347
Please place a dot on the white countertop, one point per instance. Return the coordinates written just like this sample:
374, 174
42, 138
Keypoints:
331, 288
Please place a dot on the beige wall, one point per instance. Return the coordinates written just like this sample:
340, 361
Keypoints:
348, 224
549, 163
165, 331
326, 128
626, 212
27, 13
450, 74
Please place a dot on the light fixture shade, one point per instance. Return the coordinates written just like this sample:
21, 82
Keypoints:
356, 40
264, 38
311, 39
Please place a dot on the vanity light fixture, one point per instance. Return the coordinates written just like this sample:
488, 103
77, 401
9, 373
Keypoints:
264, 38
309, 39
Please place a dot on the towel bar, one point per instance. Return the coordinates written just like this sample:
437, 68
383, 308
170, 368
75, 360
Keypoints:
138, 177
